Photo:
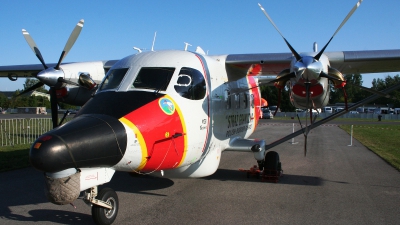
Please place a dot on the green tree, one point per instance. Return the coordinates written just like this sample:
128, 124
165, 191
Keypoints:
271, 95
381, 84
4, 102
354, 93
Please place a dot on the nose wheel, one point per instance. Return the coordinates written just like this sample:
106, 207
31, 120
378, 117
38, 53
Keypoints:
105, 207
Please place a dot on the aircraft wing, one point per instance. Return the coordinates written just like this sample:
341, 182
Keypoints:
32, 70
347, 62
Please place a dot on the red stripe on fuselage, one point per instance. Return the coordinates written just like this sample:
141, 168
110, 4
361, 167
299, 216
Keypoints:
163, 135
254, 89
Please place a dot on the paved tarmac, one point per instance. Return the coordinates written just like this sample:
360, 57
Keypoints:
334, 184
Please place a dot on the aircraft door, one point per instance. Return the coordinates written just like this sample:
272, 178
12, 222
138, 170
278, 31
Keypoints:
192, 89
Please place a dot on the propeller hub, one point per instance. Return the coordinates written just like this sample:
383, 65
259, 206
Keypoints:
308, 68
50, 77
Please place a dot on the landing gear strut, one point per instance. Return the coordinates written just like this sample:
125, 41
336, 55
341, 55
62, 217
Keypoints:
104, 207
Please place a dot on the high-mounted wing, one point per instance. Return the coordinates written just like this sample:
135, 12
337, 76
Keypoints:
31, 70
347, 62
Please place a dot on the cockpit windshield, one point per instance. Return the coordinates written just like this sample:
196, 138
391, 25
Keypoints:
113, 79
154, 78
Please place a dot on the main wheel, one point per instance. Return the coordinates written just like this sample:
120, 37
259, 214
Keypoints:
271, 161
103, 216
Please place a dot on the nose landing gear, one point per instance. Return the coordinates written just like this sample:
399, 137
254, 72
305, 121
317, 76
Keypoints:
105, 205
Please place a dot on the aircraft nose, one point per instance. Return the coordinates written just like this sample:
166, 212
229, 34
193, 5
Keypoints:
90, 140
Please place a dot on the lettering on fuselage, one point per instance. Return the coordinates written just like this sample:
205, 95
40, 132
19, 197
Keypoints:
237, 123
238, 119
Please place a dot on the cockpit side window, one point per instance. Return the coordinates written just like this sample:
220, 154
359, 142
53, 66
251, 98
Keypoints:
154, 78
113, 79
191, 84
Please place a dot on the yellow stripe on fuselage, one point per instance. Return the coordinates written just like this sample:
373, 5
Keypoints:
178, 110
142, 143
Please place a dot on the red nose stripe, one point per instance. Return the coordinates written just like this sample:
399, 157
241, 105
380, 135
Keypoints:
164, 135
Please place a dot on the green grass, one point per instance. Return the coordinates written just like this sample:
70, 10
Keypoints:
381, 139
12, 158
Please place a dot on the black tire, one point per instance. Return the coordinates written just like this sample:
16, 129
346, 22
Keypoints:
271, 161
103, 216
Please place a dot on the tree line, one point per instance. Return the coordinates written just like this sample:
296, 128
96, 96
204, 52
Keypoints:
29, 101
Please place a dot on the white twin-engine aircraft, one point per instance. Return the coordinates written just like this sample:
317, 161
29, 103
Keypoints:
171, 113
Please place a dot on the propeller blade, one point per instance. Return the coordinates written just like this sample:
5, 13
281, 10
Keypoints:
34, 47
285, 75
308, 102
71, 41
305, 146
32, 88
54, 107
298, 57
337, 30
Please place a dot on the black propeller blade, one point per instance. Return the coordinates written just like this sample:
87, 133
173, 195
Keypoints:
71, 41
307, 84
34, 47
54, 107
298, 57
337, 30
32, 88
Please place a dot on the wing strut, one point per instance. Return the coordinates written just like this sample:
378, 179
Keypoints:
333, 116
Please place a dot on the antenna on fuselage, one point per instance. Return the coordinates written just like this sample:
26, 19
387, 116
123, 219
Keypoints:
137, 49
154, 40
315, 47
186, 45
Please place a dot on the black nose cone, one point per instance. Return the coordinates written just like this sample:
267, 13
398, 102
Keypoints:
87, 141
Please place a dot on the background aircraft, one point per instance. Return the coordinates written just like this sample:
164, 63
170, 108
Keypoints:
170, 113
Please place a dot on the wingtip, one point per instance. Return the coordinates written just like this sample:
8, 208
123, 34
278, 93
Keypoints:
81, 22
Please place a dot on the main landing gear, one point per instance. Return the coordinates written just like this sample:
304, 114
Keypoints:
270, 169
104, 204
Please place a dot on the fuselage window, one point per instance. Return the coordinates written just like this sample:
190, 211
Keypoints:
237, 101
113, 79
227, 97
245, 100
191, 84
154, 78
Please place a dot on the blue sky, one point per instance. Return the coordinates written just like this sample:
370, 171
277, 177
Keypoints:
112, 28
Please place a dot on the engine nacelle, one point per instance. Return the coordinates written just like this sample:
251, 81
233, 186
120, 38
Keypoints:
74, 95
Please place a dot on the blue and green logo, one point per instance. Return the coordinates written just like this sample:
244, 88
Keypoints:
166, 105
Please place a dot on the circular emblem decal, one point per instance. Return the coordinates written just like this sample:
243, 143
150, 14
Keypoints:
166, 106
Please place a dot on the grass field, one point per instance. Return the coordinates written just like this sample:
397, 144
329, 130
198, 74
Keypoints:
14, 157
381, 139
